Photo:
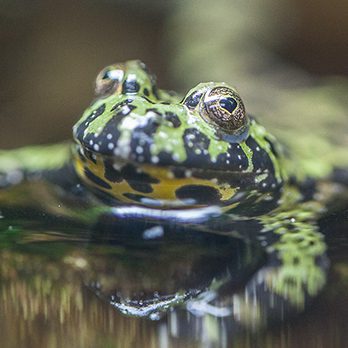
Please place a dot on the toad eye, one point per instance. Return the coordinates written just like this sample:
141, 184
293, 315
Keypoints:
224, 107
108, 79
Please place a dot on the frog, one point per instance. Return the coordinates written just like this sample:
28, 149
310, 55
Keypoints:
163, 154
144, 154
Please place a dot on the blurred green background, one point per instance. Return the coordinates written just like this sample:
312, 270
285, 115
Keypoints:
51, 51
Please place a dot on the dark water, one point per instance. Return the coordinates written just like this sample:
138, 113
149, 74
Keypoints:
64, 284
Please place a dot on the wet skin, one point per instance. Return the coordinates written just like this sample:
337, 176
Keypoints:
142, 145
144, 154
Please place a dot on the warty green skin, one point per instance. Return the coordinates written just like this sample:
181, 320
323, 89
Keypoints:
193, 152
143, 148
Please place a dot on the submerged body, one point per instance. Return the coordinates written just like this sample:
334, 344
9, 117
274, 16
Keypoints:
144, 153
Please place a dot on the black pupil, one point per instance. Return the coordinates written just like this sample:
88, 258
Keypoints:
106, 75
228, 104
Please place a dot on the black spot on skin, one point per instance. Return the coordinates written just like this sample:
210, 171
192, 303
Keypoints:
129, 173
166, 158
96, 180
196, 146
200, 193
165, 103
199, 140
155, 91
154, 110
261, 159
146, 92
121, 111
130, 86
263, 164
78, 133
178, 172
138, 181
143, 137
119, 106
193, 100
234, 159
111, 127
140, 186
111, 173
173, 119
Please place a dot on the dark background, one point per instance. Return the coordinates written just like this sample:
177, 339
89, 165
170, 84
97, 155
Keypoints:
52, 50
